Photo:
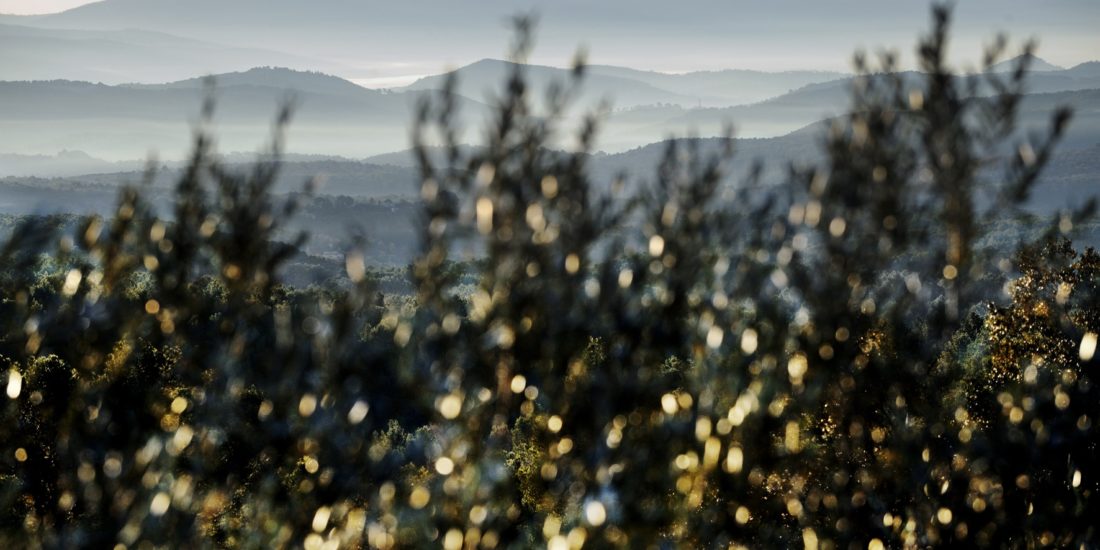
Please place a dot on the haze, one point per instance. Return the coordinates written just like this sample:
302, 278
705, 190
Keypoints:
114, 80
382, 44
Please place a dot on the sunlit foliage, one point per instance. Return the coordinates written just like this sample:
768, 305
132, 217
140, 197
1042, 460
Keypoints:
833, 362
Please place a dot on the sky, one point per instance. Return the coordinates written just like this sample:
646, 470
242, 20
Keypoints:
30, 7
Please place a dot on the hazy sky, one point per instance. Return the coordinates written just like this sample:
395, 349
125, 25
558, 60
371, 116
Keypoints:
27, 7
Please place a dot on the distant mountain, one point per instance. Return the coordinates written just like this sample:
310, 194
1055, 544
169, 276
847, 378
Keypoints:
119, 56
341, 177
1089, 69
129, 55
1036, 65
420, 35
630, 88
783, 114
64, 163
1072, 172
336, 117
331, 116
77, 163
481, 79
407, 158
1070, 177
362, 34
280, 78
723, 88
1084, 127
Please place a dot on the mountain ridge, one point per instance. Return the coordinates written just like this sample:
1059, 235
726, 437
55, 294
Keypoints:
338, 117
268, 76
1035, 64
129, 55
630, 87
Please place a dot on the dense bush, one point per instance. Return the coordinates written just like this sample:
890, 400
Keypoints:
833, 362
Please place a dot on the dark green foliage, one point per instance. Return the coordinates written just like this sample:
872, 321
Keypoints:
848, 360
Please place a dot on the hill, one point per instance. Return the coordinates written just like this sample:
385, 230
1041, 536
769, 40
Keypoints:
794, 110
725, 87
331, 116
64, 163
118, 56
1037, 65
1089, 69
338, 118
630, 88
281, 78
478, 79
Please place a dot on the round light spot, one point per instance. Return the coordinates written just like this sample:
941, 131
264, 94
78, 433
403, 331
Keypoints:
307, 405
419, 497
15, 384
358, 412
1088, 346
595, 513
519, 383
656, 245
554, 424
444, 466
669, 404
943, 515
748, 341
160, 504
320, 518
450, 407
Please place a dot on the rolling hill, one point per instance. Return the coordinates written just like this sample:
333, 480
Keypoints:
794, 110
338, 118
331, 116
629, 88
725, 87
1036, 65
481, 79
128, 55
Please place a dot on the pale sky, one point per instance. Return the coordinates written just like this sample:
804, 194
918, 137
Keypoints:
29, 7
